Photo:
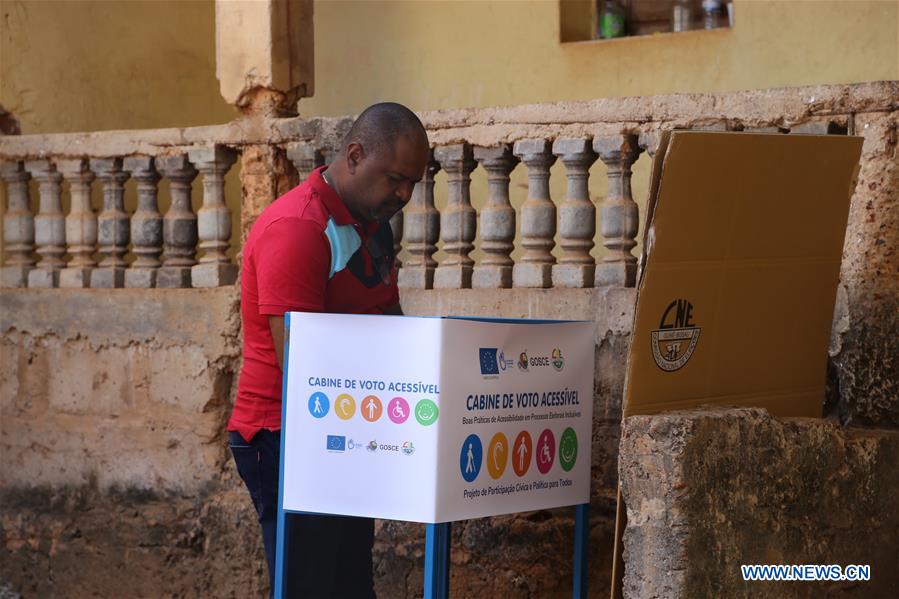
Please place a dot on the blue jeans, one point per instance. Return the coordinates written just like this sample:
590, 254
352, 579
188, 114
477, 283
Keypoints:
329, 556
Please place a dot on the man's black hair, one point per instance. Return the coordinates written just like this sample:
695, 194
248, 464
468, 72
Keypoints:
380, 125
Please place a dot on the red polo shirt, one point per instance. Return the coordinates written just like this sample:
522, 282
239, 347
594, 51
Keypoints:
305, 253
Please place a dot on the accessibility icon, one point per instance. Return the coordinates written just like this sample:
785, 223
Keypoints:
470, 458
546, 451
521, 453
371, 408
318, 404
568, 449
426, 412
497, 455
398, 410
345, 406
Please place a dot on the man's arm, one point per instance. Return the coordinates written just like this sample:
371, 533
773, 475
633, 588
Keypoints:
276, 324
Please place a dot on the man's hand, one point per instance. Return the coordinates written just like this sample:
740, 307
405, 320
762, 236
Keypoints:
276, 324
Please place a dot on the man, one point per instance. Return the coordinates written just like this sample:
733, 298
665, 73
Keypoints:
325, 246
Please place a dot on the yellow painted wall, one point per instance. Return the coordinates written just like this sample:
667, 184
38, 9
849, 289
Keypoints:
74, 65
445, 54
87, 65
82, 65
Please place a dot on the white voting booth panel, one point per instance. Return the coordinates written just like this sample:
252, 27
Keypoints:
435, 419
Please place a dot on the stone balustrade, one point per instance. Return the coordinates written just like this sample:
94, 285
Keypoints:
445, 238
163, 248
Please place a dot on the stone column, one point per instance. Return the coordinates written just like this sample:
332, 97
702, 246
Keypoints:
265, 175
146, 224
18, 226
264, 53
538, 217
114, 225
49, 225
214, 218
81, 224
619, 215
577, 216
497, 220
422, 230
179, 226
458, 222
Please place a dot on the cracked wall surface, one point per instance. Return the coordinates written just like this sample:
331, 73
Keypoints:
112, 416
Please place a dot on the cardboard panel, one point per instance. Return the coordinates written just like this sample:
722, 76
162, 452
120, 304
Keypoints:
740, 269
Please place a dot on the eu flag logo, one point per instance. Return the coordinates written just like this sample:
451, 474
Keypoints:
336, 443
488, 360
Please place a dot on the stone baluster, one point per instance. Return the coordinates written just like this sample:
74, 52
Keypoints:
422, 230
649, 142
577, 216
619, 214
538, 217
214, 218
113, 223
305, 158
396, 226
329, 155
497, 220
146, 224
81, 224
49, 225
179, 226
18, 226
458, 223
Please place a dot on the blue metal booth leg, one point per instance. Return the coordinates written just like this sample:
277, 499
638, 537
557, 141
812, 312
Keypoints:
581, 544
437, 554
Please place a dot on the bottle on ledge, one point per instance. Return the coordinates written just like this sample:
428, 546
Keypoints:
611, 21
712, 14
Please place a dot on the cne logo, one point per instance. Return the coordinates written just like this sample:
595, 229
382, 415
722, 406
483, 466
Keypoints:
675, 340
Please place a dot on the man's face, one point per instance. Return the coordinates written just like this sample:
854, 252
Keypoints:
382, 181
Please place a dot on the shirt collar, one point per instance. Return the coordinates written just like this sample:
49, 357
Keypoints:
332, 201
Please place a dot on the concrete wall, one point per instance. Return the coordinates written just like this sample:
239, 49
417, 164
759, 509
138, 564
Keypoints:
709, 490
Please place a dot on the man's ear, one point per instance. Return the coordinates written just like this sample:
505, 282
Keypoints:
355, 154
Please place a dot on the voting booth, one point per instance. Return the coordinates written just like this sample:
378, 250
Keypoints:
435, 420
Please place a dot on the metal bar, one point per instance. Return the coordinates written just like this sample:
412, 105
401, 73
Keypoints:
282, 544
581, 546
437, 554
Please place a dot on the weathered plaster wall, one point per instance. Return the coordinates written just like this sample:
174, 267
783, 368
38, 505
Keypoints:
709, 490
865, 346
121, 390
116, 461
